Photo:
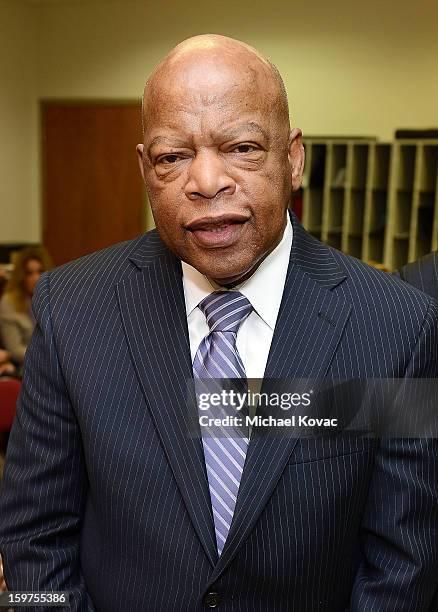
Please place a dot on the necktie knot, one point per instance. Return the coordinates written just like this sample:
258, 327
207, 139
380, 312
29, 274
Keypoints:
225, 310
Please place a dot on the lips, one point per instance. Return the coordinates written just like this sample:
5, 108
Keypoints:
219, 231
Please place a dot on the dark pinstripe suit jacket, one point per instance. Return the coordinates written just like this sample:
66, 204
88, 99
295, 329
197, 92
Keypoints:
423, 274
106, 495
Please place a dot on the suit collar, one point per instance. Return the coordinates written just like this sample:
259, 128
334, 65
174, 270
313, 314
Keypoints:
148, 249
317, 260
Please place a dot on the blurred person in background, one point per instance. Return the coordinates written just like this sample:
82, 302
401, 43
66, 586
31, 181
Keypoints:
2, 275
16, 317
6, 367
2, 580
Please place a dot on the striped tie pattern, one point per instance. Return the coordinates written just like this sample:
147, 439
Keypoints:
217, 358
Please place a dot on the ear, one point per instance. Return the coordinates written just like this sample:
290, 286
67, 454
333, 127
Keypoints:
140, 148
296, 157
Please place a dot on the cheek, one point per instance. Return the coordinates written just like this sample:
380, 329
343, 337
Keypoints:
269, 198
164, 193
167, 207
271, 183
164, 202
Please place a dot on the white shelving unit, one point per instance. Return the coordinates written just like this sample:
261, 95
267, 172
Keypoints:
375, 201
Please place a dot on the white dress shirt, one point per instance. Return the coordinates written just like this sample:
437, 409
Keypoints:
264, 289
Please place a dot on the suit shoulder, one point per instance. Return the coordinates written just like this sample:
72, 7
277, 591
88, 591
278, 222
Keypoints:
80, 283
104, 266
84, 286
369, 284
423, 274
370, 291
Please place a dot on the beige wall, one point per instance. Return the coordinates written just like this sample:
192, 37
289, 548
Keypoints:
19, 198
362, 68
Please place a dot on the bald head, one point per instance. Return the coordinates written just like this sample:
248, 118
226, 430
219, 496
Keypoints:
205, 59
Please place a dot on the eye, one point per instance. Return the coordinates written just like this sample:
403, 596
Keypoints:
244, 148
168, 159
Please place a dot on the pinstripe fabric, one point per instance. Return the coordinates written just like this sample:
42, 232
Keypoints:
423, 274
104, 487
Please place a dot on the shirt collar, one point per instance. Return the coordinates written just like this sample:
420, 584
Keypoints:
264, 289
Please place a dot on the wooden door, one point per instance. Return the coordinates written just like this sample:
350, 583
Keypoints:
93, 193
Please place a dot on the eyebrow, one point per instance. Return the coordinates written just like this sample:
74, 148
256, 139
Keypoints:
251, 126
165, 140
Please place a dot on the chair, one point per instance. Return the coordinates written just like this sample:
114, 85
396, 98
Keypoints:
9, 390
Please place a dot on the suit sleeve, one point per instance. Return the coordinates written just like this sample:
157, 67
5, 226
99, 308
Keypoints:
44, 487
399, 570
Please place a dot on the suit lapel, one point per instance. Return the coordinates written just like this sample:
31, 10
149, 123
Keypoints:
309, 327
153, 313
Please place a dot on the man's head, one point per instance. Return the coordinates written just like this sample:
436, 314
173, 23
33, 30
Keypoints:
219, 159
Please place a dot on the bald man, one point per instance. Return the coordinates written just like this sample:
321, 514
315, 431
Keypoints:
113, 489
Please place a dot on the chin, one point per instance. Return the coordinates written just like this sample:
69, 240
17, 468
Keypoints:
221, 274
219, 265
228, 275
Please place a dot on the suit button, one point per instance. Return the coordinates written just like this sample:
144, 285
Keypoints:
211, 599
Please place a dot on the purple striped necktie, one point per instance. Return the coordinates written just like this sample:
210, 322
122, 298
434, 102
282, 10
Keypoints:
217, 358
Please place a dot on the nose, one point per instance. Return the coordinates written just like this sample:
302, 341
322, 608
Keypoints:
208, 177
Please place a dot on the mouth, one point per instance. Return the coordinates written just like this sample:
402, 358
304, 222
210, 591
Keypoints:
219, 231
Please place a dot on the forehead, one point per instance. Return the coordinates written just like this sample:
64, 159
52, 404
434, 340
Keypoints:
211, 75
203, 97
